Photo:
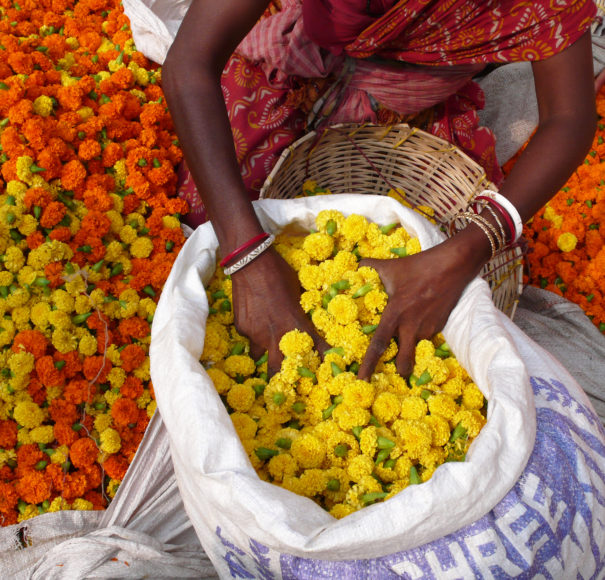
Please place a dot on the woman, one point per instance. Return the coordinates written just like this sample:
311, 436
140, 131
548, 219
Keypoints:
424, 288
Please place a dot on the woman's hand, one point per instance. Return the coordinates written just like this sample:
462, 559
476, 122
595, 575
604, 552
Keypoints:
266, 303
423, 289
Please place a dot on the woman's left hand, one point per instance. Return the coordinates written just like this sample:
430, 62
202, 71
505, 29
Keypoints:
423, 289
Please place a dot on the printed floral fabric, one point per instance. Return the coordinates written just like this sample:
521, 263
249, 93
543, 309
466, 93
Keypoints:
278, 73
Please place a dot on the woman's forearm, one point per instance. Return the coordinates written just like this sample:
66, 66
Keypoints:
191, 82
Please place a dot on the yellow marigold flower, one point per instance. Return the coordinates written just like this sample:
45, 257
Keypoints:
13, 259
309, 300
111, 397
113, 355
222, 381
23, 436
308, 451
28, 224
141, 247
368, 441
341, 510
112, 487
7, 331
61, 454
343, 308
471, 420
120, 171
326, 215
6, 278
431, 459
440, 429
322, 320
413, 408
216, 342
21, 363
358, 394
375, 300
82, 505
472, 397
424, 352
39, 314
413, 247
75, 285
279, 396
43, 434
348, 417
311, 277
359, 467
87, 345
142, 371
103, 421
239, 364
453, 387
313, 481
116, 377
28, 414
58, 504
386, 407
244, 425
53, 393
141, 76
319, 246
567, 242
354, 228
128, 234
402, 468
295, 343
281, 466
442, 405
85, 113
241, 397
415, 436
18, 298
117, 223
151, 409
30, 511
111, 441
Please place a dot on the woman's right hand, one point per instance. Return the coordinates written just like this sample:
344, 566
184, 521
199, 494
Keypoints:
266, 305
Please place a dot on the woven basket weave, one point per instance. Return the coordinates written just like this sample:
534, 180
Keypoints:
375, 159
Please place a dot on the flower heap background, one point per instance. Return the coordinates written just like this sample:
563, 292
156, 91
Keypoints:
89, 230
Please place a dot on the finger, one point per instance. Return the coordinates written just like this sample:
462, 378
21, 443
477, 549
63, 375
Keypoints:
404, 361
319, 343
256, 350
275, 360
378, 344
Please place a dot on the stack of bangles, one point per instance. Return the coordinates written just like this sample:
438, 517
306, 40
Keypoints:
508, 228
265, 240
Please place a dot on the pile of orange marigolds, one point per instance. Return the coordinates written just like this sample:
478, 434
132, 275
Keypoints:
89, 230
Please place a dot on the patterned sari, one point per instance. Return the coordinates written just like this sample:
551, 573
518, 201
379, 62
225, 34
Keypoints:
382, 61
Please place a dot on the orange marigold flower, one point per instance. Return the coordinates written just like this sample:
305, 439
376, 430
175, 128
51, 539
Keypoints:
9, 497
33, 341
52, 214
93, 474
132, 387
132, 356
95, 368
96, 222
62, 410
34, 487
34, 240
21, 63
111, 154
97, 199
48, 374
84, 452
115, 466
51, 163
70, 97
37, 196
135, 327
89, 148
73, 365
79, 391
8, 434
96, 499
54, 273
124, 412
36, 391
64, 433
73, 175
74, 485
28, 455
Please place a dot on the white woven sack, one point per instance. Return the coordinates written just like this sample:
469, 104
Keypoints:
234, 512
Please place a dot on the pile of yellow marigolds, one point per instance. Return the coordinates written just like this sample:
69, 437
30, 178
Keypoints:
314, 428
88, 234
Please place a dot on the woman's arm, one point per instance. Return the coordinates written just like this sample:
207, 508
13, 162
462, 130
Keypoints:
424, 288
266, 292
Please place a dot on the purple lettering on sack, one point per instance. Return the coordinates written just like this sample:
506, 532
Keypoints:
551, 522
263, 562
237, 568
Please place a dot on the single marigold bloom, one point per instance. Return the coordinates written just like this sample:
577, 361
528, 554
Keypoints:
95, 368
83, 452
32, 341
64, 433
28, 455
9, 497
96, 222
135, 327
96, 499
52, 214
132, 356
115, 466
73, 175
34, 240
8, 434
124, 412
74, 485
49, 375
79, 391
34, 487
37, 196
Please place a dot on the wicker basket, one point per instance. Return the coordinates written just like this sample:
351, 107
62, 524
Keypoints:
375, 159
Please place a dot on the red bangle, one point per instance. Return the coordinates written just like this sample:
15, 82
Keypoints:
509, 221
242, 248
